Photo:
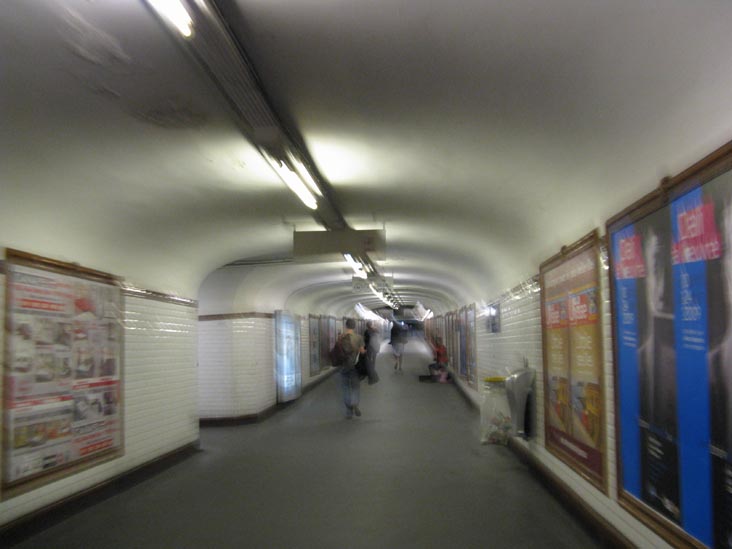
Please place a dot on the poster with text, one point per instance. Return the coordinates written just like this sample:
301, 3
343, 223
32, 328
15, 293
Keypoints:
573, 369
672, 276
62, 370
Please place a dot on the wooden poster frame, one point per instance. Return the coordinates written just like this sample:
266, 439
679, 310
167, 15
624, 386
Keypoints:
42, 478
313, 320
707, 169
589, 242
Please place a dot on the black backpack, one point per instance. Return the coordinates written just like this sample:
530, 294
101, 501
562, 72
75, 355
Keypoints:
341, 351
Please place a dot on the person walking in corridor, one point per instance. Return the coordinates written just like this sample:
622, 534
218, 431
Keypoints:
398, 339
353, 346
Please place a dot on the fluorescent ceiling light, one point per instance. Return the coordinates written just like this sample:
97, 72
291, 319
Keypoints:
173, 11
365, 312
355, 265
382, 297
293, 181
305, 176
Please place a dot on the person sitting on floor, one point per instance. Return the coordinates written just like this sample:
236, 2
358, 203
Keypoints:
439, 367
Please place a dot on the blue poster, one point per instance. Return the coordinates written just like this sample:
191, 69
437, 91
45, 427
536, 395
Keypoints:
672, 276
691, 312
647, 362
628, 266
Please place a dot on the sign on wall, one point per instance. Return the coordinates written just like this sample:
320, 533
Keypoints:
671, 265
573, 369
63, 367
287, 356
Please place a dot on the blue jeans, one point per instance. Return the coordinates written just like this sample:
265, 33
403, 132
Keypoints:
351, 389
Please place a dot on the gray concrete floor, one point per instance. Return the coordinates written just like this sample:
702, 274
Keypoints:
409, 473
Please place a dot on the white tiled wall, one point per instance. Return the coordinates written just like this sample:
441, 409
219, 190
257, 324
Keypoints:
160, 376
215, 374
520, 336
253, 363
159, 398
236, 367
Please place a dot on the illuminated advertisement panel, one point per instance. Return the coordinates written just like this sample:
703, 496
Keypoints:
287, 356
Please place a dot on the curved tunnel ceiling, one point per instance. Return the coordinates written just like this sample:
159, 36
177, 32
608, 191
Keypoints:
481, 135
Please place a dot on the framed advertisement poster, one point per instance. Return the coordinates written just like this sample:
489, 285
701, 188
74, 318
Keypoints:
462, 325
62, 402
448, 337
332, 334
455, 342
324, 341
671, 282
572, 348
471, 351
314, 327
327, 340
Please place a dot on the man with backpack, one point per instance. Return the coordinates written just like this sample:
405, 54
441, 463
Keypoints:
351, 346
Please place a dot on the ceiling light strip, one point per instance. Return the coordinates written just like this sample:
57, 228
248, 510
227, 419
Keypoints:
293, 182
175, 13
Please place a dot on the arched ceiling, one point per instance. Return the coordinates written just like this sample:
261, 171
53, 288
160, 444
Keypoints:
481, 135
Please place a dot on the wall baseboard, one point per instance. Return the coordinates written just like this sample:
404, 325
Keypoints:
25, 526
463, 390
231, 421
605, 532
608, 535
